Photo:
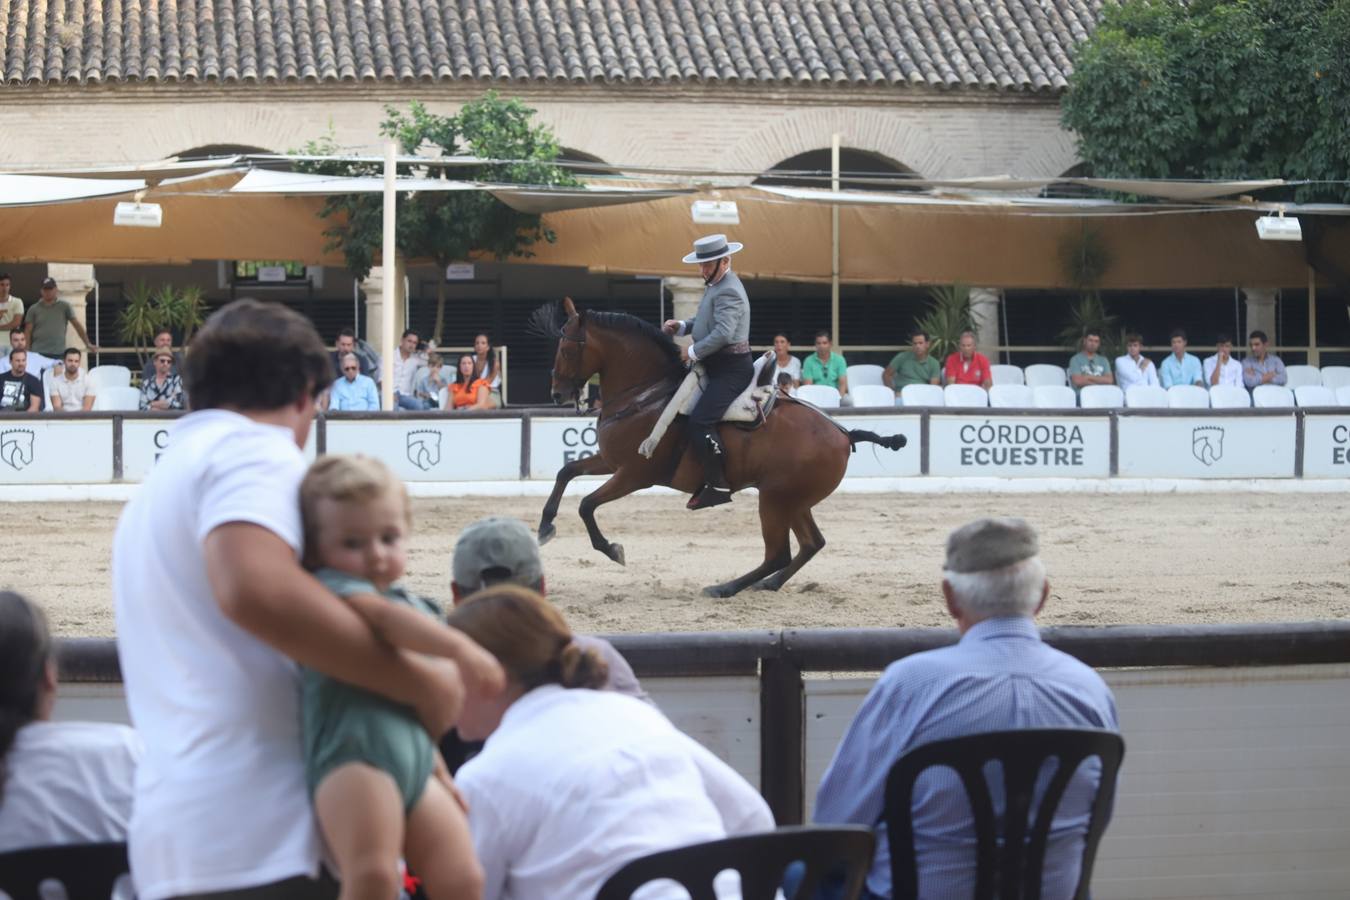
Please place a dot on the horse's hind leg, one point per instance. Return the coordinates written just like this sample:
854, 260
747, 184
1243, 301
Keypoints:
773, 524
809, 540
589, 465
620, 485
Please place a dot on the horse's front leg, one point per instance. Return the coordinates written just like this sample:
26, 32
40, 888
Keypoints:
589, 465
620, 485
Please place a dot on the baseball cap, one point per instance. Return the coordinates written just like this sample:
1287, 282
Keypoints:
497, 542
988, 544
49, 282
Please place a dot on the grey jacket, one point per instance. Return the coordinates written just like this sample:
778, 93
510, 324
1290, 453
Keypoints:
723, 317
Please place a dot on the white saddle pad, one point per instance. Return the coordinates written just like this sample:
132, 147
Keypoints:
745, 408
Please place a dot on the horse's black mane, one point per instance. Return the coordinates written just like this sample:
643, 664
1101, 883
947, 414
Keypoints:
548, 321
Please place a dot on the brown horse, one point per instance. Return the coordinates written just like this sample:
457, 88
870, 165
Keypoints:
796, 458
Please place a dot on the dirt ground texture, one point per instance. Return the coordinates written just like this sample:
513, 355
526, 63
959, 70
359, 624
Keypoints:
1175, 558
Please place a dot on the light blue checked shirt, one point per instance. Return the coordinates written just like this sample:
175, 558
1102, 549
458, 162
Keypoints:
999, 677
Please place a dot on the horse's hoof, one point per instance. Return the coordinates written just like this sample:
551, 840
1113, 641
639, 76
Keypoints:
718, 591
546, 533
616, 554
772, 583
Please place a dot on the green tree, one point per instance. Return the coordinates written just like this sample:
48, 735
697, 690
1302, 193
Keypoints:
945, 317
1217, 89
447, 226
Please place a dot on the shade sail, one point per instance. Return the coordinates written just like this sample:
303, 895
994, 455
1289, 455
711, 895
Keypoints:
34, 190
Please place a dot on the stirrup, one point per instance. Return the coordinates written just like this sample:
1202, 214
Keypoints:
709, 496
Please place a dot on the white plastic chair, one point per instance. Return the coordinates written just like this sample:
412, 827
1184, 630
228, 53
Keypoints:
1272, 396
117, 398
1010, 396
1302, 375
47, 390
1007, 375
1343, 395
1043, 374
443, 397
1225, 396
871, 395
1335, 377
922, 395
965, 395
101, 377
1146, 396
821, 395
1188, 396
1053, 396
863, 374
1314, 395
1101, 396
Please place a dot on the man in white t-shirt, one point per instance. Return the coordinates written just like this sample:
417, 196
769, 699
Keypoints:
11, 307
213, 613
70, 385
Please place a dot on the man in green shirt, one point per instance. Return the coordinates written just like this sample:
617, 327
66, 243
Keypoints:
913, 366
45, 323
825, 367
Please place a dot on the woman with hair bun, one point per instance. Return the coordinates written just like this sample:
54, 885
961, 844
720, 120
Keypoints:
60, 782
574, 782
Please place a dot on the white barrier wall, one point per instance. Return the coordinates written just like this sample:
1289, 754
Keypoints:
1213, 447
1020, 446
557, 441
871, 461
143, 440
434, 449
37, 451
1326, 447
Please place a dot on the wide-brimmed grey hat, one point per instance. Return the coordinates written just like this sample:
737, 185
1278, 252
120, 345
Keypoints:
714, 246
988, 544
496, 542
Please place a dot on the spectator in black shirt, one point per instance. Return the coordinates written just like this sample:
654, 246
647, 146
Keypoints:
19, 391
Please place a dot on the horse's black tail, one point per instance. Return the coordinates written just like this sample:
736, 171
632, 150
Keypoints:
857, 436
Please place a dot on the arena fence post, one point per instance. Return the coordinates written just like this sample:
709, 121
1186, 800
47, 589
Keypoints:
782, 745
1300, 421
320, 434
1114, 452
526, 423
923, 443
117, 447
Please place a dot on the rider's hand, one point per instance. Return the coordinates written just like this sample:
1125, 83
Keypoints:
684, 355
671, 326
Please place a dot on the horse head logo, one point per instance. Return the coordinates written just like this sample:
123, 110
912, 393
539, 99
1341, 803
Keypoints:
16, 447
424, 449
1207, 443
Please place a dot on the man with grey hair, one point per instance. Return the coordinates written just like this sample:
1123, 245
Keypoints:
501, 549
1000, 676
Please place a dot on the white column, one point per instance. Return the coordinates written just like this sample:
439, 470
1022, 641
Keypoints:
685, 296
1260, 313
984, 303
74, 283
373, 288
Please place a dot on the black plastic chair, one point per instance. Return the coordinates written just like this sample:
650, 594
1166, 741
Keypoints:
1012, 871
87, 871
760, 859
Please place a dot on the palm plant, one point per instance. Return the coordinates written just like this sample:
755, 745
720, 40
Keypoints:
947, 315
139, 319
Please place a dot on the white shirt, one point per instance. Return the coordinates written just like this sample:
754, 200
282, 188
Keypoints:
1130, 373
37, 364
1231, 374
406, 372
11, 307
221, 802
576, 783
793, 368
72, 393
68, 783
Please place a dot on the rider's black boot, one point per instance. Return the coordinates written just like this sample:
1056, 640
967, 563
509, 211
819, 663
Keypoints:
715, 490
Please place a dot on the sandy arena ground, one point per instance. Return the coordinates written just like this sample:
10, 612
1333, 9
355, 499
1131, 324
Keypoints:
1118, 559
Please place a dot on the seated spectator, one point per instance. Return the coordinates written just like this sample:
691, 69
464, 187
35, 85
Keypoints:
967, 365
163, 341
826, 367
999, 677
60, 782
1088, 366
346, 343
1262, 367
165, 389
37, 363
468, 392
785, 365
408, 363
501, 550
11, 307
576, 782
1221, 368
1134, 368
70, 386
487, 365
1180, 367
353, 392
20, 391
433, 378
912, 366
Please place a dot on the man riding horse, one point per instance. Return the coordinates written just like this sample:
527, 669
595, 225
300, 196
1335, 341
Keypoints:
721, 333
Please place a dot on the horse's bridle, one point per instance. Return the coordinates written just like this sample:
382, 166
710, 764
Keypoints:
564, 337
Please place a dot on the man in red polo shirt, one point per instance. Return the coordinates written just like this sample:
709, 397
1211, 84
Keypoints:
966, 366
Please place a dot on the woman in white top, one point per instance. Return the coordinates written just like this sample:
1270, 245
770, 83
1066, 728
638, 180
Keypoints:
60, 782
575, 782
785, 365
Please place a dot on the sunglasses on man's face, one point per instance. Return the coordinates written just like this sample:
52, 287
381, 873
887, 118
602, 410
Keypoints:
349, 368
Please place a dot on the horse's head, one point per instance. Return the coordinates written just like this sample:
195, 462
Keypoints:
574, 362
